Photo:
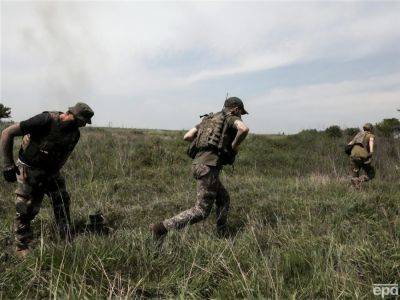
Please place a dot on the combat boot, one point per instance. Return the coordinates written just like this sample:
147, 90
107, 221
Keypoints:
364, 178
354, 181
158, 230
22, 253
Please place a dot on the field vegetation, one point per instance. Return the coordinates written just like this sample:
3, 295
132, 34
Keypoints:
297, 229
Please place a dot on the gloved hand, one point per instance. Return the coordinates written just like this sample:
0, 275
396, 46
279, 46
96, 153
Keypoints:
10, 173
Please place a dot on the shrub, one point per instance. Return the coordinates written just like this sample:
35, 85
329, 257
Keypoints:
5, 112
388, 126
334, 131
352, 131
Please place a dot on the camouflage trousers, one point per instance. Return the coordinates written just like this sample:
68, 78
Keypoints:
359, 164
33, 184
209, 190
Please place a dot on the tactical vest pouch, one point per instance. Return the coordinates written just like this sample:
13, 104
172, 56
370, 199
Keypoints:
50, 150
38, 157
347, 149
31, 153
209, 134
192, 149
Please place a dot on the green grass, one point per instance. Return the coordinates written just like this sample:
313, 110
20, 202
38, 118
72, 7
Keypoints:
297, 229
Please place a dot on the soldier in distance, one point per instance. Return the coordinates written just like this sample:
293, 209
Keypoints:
362, 150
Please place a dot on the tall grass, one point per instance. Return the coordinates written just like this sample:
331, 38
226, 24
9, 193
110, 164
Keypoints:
296, 228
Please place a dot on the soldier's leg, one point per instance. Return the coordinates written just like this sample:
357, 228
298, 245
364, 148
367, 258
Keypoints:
207, 187
370, 172
355, 167
222, 207
60, 199
27, 205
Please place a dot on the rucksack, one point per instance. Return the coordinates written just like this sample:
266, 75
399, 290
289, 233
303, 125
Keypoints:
358, 139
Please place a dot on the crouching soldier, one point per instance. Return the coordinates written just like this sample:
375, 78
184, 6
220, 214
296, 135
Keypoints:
48, 140
362, 149
214, 143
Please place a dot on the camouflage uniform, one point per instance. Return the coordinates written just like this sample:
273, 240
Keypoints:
358, 164
209, 189
46, 146
33, 184
360, 158
206, 168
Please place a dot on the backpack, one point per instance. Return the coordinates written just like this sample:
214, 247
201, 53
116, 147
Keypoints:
361, 141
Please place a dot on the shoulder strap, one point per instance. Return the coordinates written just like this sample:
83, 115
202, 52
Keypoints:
224, 128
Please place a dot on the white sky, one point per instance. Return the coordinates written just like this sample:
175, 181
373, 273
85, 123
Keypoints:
296, 65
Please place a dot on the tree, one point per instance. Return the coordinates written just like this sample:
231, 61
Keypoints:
334, 131
5, 112
388, 126
351, 131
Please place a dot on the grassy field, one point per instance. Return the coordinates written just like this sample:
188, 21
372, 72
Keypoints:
297, 229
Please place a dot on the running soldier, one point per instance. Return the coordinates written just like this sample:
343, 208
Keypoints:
362, 149
214, 143
48, 140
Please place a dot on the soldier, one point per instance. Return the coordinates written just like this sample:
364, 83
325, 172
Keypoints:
214, 143
48, 140
362, 149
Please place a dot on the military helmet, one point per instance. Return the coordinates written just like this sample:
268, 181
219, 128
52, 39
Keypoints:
235, 102
368, 127
82, 111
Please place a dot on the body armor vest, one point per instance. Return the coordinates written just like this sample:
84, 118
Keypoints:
209, 134
50, 150
361, 139
212, 136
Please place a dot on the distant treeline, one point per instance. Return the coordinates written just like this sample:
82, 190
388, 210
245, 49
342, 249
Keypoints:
385, 128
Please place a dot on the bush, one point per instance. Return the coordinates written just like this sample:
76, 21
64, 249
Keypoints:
352, 131
388, 126
5, 112
334, 131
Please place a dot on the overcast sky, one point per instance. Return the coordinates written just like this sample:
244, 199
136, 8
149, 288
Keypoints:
296, 65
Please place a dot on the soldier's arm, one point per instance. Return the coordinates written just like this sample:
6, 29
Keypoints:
242, 131
190, 135
371, 145
7, 143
